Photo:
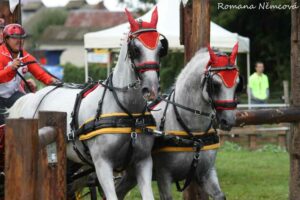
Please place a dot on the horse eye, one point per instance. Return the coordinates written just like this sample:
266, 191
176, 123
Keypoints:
216, 86
137, 51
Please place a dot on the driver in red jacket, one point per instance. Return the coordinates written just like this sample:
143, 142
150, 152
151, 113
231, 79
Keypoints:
14, 63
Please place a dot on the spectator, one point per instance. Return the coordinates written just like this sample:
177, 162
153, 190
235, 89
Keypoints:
259, 85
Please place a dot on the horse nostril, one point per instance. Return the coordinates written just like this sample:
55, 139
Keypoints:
224, 122
145, 90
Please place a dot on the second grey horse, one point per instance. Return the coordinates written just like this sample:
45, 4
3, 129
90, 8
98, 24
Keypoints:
208, 84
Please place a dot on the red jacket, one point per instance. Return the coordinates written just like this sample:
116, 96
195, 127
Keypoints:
7, 73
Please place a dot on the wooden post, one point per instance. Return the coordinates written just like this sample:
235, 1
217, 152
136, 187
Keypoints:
252, 141
194, 26
282, 139
52, 178
195, 33
186, 30
7, 15
29, 174
21, 154
286, 94
294, 147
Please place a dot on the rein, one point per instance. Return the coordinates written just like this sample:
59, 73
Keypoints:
195, 111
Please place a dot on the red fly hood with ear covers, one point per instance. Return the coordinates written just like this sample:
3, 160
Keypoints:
148, 38
220, 61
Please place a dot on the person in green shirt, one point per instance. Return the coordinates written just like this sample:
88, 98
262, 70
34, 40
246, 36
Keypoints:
259, 85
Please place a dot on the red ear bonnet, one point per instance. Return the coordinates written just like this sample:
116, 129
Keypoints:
148, 38
228, 76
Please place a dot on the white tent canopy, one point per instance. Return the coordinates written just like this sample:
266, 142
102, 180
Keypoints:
168, 25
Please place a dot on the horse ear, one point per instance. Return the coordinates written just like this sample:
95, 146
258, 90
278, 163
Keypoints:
234, 53
212, 54
133, 23
154, 18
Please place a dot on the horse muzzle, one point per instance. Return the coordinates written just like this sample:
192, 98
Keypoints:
149, 94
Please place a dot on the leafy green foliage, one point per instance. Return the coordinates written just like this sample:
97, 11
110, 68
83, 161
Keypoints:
76, 74
43, 19
171, 65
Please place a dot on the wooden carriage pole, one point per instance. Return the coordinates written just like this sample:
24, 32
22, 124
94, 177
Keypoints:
195, 33
294, 143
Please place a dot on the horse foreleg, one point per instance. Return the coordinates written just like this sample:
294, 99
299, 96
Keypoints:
105, 176
144, 177
211, 185
164, 182
127, 182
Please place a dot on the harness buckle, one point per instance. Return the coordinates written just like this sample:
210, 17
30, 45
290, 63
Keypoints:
137, 84
197, 155
133, 136
197, 112
140, 123
71, 136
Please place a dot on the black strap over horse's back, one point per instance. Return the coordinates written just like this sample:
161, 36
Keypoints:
74, 122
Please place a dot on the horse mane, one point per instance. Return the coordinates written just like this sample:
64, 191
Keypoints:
123, 54
194, 68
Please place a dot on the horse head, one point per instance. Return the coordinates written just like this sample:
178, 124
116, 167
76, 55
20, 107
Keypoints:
223, 82
145, 48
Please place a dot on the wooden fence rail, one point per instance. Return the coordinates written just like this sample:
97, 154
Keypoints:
255, 134
35, 157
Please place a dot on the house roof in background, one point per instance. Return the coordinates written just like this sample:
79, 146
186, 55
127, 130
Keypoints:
54, 34
32, 6
95, 18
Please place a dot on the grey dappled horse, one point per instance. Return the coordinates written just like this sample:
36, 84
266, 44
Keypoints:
136, 73
201, 88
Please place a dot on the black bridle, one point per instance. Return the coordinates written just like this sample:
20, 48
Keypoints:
230, 104
133, 54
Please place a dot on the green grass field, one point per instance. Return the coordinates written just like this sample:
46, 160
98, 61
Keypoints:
247, 175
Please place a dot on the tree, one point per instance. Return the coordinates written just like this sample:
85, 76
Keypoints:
40, 21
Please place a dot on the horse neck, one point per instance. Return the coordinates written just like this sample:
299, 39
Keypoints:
124, 75
188, 92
